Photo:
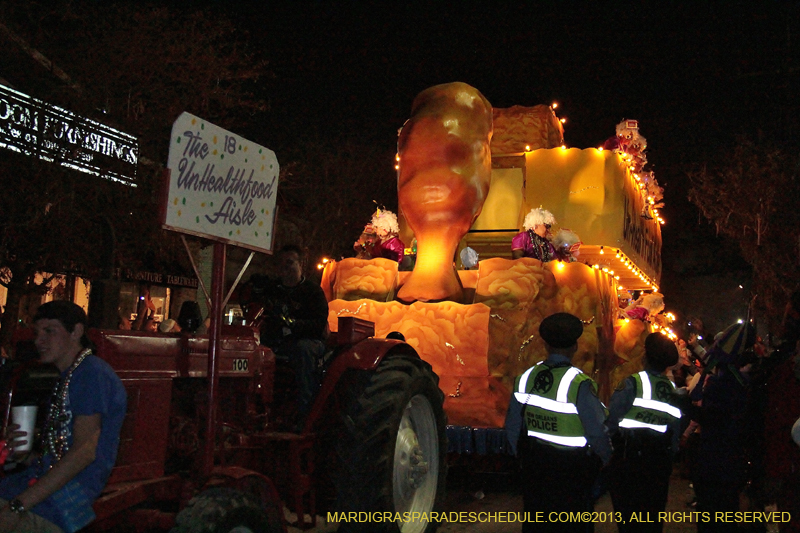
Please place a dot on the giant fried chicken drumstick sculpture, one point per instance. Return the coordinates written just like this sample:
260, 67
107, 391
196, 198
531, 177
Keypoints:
444, 173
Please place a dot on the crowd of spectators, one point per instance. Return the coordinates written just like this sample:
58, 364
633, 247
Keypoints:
740, 404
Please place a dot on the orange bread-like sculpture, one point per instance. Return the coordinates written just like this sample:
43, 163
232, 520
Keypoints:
522, 129
478, 349
452, 337
354, 279
445, 171
629, 346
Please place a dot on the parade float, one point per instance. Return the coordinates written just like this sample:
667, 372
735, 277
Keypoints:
467, 176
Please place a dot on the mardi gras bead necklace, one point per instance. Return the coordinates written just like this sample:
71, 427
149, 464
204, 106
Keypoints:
56, 427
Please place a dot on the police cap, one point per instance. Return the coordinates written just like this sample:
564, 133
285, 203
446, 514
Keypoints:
561, 330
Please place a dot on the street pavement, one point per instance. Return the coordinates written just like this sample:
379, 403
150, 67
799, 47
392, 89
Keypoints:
499, 493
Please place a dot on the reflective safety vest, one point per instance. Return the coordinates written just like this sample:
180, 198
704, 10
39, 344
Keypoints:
646, 412
549, 395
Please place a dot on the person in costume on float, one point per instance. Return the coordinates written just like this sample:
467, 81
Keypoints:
535, 240
56, 490
555, 424
366, 242
380, 238
567, 245
645, 430
645, 306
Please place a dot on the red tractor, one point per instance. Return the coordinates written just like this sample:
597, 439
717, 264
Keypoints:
374, 441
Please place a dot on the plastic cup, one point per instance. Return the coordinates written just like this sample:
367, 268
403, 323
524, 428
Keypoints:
25, 416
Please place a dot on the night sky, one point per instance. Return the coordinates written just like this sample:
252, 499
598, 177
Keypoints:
695, 74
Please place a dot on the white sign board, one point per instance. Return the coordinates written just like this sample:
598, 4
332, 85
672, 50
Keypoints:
221, 186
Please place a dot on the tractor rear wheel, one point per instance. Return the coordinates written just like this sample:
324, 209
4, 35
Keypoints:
392, 448
224, 510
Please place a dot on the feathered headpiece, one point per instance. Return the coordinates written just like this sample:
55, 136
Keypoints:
538, 216
386, 220
653, 302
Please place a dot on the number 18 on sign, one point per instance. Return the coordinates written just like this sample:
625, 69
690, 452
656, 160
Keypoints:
222, 186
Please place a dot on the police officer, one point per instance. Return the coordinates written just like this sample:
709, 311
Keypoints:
645, 429
555, 424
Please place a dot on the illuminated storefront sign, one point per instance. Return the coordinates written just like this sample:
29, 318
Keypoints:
35, 128
157, 278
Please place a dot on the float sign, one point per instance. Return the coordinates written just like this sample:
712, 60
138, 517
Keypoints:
221, 186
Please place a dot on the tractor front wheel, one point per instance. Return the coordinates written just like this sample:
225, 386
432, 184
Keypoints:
392, 449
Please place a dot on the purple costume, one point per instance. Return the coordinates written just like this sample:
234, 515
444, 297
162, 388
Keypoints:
534, 246
392, 249
639, 312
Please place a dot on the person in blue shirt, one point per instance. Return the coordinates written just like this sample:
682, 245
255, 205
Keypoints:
55, 492
555, 424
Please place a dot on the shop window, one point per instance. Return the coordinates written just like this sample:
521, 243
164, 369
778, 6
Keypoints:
129, 296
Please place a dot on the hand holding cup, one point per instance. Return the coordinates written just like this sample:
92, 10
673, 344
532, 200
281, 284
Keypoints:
20, 432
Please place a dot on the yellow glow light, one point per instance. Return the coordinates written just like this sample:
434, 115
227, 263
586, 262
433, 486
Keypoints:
555, 105
397, 157
563, 121
560, 265
397, 167
527, 147
599, 148
563, 146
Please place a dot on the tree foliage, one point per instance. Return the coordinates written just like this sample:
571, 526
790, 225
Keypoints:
133, 66
329, 190
751, 196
